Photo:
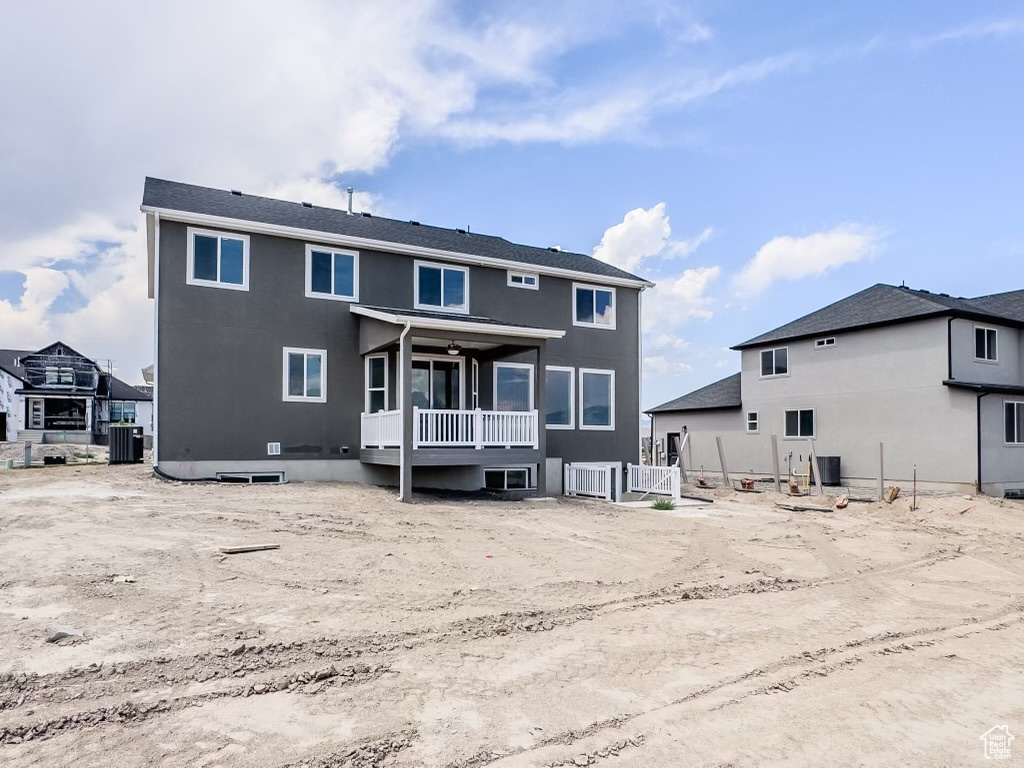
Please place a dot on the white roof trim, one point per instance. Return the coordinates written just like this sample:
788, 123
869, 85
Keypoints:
382, 245
444, 324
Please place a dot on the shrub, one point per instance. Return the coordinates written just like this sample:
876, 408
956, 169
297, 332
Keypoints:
663, 504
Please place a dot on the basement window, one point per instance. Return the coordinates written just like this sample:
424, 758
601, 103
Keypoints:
507, 478
985, 344
251, 478
800, 423
1014, 414
218, 260
774, 362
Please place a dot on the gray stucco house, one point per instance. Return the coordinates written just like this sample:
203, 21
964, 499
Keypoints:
299, 342
938, 380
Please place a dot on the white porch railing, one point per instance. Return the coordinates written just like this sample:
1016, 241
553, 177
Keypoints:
644, 479
434, 428
590, 480
382, 429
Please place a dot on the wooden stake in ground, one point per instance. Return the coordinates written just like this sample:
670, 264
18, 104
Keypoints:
775, 463
814, 467
250, 548
721, 458
881, 474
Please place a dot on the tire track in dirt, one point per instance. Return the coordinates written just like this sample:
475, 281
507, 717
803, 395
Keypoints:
807, 665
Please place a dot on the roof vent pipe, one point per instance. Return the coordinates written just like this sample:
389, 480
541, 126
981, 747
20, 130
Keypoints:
350, 190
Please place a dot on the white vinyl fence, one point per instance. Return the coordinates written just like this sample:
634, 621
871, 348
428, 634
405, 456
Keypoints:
660, 480
596, 480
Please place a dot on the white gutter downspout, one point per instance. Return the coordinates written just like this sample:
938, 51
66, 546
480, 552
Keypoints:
404, 494
156, 335
640, 377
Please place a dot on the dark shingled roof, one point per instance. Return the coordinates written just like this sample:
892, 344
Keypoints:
883, 304
431, 315
119, 390
721, 394
264, 210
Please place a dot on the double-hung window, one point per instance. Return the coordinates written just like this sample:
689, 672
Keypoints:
774, 362
332, 274
593, 306
376, 383
52, 375
800, 423
1013, 412
560, 390
985, 347
752, 422
305, 375
597, 399
443, 287
67, 375
217, 259
513, 387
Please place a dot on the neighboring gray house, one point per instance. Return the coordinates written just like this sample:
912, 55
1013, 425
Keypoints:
939, 380
301, 342
56, 394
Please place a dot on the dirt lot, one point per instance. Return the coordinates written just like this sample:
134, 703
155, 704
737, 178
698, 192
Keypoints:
456, 633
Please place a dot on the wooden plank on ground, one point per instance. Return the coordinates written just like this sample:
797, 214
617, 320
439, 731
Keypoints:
801, 507
249, 548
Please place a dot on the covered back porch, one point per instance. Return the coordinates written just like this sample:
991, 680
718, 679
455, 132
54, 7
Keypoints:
448, 390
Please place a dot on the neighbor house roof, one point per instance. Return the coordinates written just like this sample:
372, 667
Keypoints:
164, 196
724, 393
883, 304
10, 361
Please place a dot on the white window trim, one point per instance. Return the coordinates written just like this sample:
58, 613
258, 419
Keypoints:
430, 307
757, 422
474, 383
533, 275
611, 405
814, 418
310, 293
572, 398
191, 257
992, 360
1020, 406
323, 375
529, 366
591, 287
825, 343
366, 381
773, 350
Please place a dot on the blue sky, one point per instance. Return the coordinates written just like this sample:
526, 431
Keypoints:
756, 160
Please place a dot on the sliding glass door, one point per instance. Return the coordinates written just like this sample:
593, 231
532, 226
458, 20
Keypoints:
437, 383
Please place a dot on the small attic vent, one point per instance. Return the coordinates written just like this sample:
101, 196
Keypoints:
236, 192
414, 223
944, 294
306, 204
461, 231
367, 215
555, 248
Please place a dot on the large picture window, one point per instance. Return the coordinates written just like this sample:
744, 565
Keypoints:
597, 399
332, 274
593, 306
1014, 415
305, 375
442, 287
800, 423
775, 362
218, 260
559, 389
513, 387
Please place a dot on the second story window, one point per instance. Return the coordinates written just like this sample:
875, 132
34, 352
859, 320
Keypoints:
52, 376
332, 274
218, 260
774, 362
441, 287
985, 344
67, 375
593, 307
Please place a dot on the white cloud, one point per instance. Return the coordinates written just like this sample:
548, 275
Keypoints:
977, 30
660, 365
678, 300
683, 248
793, 258
644, 234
